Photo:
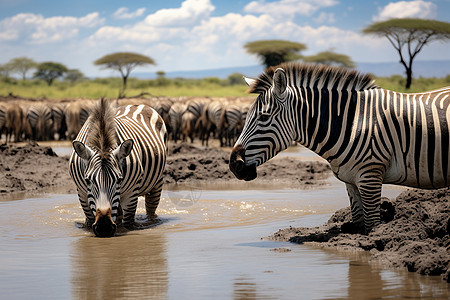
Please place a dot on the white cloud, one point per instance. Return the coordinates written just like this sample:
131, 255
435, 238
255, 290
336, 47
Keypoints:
190, 13
407, 9
324, 17
288, 7
123, 13
36, 29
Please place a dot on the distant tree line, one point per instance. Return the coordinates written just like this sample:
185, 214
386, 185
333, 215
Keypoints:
407, 36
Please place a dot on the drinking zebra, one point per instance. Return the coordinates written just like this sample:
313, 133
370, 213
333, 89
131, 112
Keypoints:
118, 155
369, 135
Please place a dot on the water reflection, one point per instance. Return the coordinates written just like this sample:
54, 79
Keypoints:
366, 280
245, 288
125, 267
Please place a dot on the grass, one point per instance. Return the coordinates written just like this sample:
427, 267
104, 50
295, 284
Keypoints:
207, 87
110, 87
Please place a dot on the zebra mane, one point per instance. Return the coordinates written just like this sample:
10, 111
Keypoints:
316, 76
102, 128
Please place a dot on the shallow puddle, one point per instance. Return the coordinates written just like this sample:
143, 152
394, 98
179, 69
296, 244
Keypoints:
207, 246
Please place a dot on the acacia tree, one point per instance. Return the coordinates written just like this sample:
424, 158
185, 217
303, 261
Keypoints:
409, 36
49, 71
124, 62
331, 58
74, 75
275, 52
22, 65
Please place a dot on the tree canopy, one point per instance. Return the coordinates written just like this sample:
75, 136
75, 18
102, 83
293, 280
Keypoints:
74, 75
331, 58
22, 65
409, 36
49, 71
124, 62
275, 52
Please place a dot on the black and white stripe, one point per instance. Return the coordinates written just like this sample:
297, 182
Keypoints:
40, 118
368, 135
111, 179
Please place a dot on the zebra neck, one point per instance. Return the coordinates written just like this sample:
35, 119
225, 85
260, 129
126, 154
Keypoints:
325, 119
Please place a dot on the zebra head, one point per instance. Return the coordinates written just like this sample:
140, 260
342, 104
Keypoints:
268, 128
103, 179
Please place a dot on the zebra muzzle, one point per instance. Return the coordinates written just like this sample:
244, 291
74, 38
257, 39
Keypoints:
104, 225
238, 166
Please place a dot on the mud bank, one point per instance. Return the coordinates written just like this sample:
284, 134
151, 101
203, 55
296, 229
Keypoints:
415, 233
33, 168
187, 163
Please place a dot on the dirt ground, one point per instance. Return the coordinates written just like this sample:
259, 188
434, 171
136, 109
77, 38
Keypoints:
187, 163
415, 232
32, 168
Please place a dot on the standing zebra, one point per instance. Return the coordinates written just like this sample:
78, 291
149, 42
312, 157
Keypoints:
118, 155
175, 116
40, 118
231, 122
369, 135
2, 120
210, 121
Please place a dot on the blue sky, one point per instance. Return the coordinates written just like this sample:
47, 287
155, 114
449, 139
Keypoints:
200, 34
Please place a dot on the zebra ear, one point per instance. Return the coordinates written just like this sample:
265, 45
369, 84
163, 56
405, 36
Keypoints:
249, 81
82, 150
279, 83
124, 149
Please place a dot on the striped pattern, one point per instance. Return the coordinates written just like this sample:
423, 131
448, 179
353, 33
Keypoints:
40, 118
210, 121
231, 123
369, 135
59, 121
105, 181
176, 112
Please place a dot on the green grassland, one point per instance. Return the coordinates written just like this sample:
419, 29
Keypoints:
207, 87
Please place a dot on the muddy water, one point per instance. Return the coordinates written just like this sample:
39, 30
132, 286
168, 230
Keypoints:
207, 246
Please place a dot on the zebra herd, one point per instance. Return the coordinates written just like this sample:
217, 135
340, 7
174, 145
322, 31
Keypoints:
369, 136
186, 119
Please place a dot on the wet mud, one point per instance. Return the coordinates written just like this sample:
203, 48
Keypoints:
414, 234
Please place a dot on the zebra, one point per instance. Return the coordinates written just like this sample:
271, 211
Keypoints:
232, 121
119, 154
40, 118
163, 107
188, 121
369, 135
13, 122
210, 121
2, 120
76, 114
175, 116
59, 121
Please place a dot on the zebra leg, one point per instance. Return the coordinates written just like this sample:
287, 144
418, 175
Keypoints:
152, 198
90, 218
370, 191
356, 206
129, 212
